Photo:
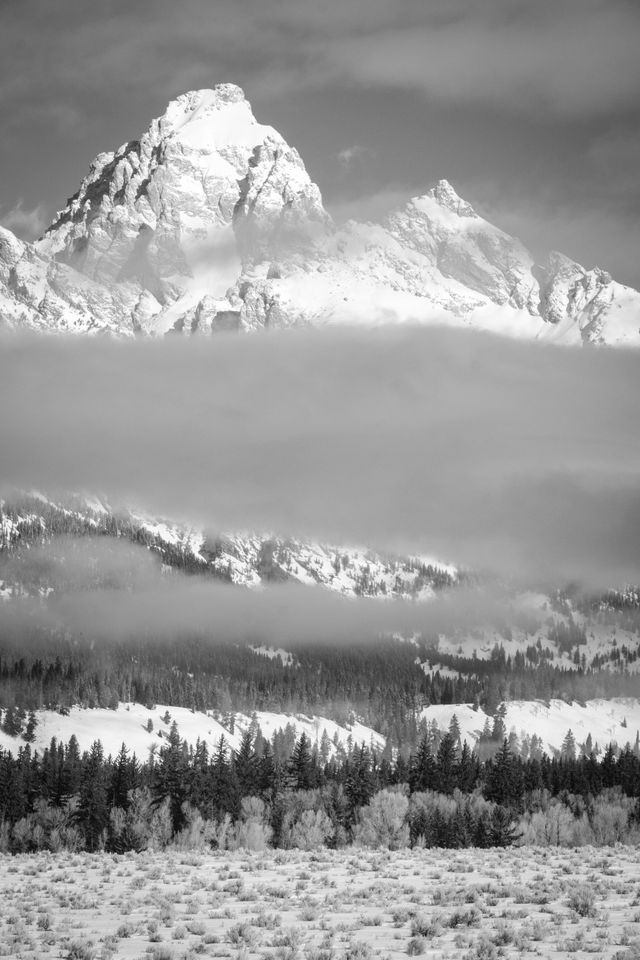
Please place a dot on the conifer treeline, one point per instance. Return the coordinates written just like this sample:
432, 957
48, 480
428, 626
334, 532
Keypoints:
377, 681
291, 792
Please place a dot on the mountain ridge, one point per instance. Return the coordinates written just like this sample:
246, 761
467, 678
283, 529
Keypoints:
211, 222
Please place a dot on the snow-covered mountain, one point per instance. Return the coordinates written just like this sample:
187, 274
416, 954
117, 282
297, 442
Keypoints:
247, 559
210, 222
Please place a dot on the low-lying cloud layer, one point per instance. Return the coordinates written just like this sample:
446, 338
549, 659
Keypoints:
108, 590
486, 452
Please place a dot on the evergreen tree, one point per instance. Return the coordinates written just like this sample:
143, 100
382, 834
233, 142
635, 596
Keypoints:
224, 790
359, 784
301, 766
30, 730
467, 770
503, 831
446, 765
123, 779
422, 773
11, 723
172, 776
568, 748
71, 770
454, 729
246, 766
93, 809
504, 781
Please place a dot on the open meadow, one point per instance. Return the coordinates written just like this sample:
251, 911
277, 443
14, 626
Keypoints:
348, 904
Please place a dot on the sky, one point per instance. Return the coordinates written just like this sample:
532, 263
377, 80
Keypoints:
498, 455
531, 108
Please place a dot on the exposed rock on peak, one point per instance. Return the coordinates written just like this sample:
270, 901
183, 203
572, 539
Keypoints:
444, 194
210, 222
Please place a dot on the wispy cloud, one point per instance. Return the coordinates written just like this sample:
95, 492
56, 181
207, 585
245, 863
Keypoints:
491, 453
352, 156
375, 206
26, 223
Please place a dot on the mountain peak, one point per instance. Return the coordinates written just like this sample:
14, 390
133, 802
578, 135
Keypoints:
211, 119
215, 97
445, 195
209, 221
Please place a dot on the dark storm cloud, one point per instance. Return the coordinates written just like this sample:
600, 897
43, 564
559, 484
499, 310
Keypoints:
516, 457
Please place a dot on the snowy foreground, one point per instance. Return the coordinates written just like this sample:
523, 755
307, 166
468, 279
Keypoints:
347, 905
608, 721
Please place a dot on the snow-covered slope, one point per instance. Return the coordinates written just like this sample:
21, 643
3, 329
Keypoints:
247, 560
210, 222
129, 725
606, 721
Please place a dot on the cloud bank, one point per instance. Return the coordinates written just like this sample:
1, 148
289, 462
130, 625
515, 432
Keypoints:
496, 454
570, 57
112, 591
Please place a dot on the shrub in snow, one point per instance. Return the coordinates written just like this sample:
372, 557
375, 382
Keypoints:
80, 950
612, 818
582, 899
556, 826
197, 833
383, 822
311, 830
48, 828
251, 832
416, 946
220, 832
143, 826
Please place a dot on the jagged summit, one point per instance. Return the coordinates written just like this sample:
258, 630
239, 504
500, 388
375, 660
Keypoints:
208, 98
446, 196
211, 119
210, 222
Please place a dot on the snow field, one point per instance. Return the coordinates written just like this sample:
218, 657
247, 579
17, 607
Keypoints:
348, 904
616, 720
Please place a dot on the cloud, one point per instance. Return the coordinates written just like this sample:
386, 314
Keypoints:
496, 454
113, 591
69, 564
350, 156
373, 207
570, 58
615, 155
469, 72
28, 224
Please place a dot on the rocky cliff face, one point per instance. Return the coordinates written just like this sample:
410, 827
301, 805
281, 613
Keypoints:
210, 222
